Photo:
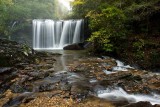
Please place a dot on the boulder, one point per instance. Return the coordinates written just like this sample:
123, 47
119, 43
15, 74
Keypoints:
140, 104
5, 70
75, 46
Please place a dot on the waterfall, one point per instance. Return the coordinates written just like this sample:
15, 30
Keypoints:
76, 37
50, 34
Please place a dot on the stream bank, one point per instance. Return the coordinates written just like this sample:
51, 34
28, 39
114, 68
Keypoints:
45, 79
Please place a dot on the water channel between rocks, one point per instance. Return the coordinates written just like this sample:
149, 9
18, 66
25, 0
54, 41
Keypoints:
113, 93
67, 57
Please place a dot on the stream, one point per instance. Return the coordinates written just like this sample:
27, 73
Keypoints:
110, 93
66, 57
73, 74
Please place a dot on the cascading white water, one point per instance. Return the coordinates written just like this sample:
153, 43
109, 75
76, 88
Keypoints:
58, 32
65, 34
77, 32
119, 94
50, 34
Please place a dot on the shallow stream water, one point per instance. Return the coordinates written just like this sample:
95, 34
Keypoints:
66, 57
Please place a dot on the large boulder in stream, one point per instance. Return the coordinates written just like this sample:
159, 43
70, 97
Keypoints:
75, 46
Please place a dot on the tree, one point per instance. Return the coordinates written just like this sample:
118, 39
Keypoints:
80, 8
129, 28
15, 14
4, 4
107, 27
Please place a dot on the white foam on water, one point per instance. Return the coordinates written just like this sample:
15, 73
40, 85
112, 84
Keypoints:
93, 80
119, 63
60, 72
108, 72
48, 48
121, 67
119, 94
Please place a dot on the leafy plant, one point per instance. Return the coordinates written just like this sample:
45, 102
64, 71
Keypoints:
107, 26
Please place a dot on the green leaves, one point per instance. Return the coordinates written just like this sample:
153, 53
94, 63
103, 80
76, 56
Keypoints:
128, 28
80, 8
106, 22
107, 25
22, 10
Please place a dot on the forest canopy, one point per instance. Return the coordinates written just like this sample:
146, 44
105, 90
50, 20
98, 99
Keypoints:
114, 19
128, 28
19, 12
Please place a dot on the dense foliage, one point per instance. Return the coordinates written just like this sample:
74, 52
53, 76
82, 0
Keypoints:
107, 25
15, 14
128, 28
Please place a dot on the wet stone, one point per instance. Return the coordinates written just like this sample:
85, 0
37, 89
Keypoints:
140, 104
64, 86
22, 65
14, 102
51, 70
46, 87
16, 88
79, 91
5, 70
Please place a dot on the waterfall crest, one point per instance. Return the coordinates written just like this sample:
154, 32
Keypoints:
50, 34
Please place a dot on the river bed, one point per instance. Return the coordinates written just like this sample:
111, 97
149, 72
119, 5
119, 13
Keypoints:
114, 94
75, 75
